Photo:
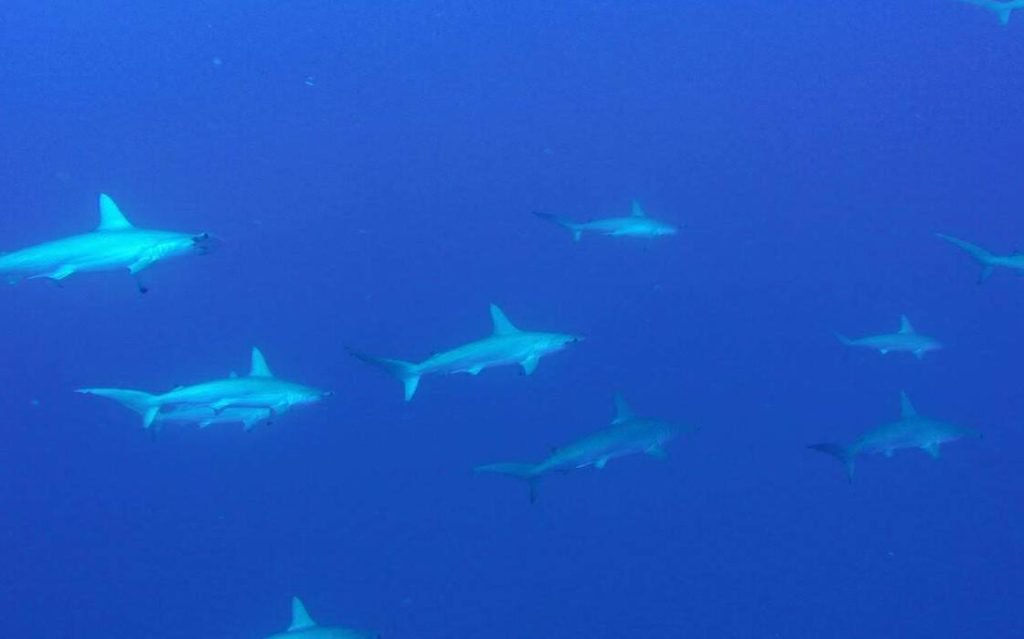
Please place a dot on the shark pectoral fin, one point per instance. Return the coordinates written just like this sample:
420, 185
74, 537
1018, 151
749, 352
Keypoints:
475, 370
888, 452
919, 354
150, 415
986, 272
932, 449
530, 364
250, 422
139, 265
883, 351
577, 233
57, 275
657, 452
205, 423
219, 405
601, 463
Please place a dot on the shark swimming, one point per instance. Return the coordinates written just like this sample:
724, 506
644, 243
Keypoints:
627, 435
252, 399
638, 224
1002, 8
910, 431
987, 260
906, 340
114, 245
506, 345
303, 627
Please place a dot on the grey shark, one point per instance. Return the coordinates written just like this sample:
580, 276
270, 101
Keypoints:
987, 260
1003, 9
910, 431
257, 397
303, 627
627, 435
638, 224
506, 345
906, 340
114, 245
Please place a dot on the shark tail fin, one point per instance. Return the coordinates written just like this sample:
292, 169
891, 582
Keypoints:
573, 227
144, 403
407, 372
529, 472
980, 255
845, 454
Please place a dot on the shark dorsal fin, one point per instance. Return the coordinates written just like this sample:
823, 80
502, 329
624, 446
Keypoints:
623, 413
259, 365
501, 324
905, 326
637, 210
300, 618
907, 410
111, 218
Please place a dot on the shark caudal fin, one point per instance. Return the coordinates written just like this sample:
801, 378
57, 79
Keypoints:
408, 372
573, 227
143, 403
529, 472
845, 454
980, 255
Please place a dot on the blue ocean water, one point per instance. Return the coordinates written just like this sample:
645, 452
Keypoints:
371, 168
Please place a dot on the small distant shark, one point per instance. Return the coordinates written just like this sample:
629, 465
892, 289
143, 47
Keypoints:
639, 224
905, 341
259, 396
627, 435
303, 627
911, 431
506, 345
987, 260
1003, 9
114, 245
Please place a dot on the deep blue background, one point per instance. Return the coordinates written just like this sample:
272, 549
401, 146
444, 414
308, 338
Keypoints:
811, 150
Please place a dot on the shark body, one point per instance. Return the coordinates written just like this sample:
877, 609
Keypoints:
303, 627
257, 397
910, 431
506, 345
906, 340
638, 224
1003, 9
989, 261
114, 245
627, 435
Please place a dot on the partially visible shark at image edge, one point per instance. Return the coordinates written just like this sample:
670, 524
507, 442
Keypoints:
988, 260
1002, 8
303, 627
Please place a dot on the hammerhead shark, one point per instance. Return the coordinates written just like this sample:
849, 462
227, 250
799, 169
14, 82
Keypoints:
115, 245
910, 431
506, 345
987, 259
906, 340
627, 435
257, 397
638, 224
